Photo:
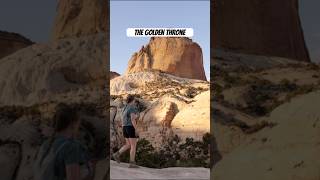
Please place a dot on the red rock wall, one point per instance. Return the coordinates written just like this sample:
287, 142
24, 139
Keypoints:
263, 27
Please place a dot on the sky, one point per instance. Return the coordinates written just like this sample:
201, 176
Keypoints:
30, 18
309, 15
157, 14
34, 19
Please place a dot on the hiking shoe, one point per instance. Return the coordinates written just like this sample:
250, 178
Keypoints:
116, 156
133, 165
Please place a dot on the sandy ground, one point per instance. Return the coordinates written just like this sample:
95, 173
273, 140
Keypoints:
121, 171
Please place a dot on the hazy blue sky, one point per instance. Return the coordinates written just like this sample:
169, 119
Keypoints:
309, 12
124, 14
31, 18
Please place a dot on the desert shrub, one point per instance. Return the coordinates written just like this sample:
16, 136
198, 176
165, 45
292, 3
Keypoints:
193, 153
300, 90
262, 96
191, 92
172, 153
313, 66
146, 155
286, 85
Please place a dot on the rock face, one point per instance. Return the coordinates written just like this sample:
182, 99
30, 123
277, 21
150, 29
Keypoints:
11, 42
33, 75
270, 28
178, 56
264, 117
287, 151
80, 18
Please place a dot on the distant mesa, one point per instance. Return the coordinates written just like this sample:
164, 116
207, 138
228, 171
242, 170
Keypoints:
113, 74
269, 28
80, 18
177, 56
11, 42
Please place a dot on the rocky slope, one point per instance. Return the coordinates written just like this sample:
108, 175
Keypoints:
178, 103
270, 28
68, 70
287, 151
11, 42
80, 18
264, 117
177, 56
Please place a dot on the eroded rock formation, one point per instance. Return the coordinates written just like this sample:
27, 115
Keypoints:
177, 56
270, 28
172, 105
80, 18
33, 75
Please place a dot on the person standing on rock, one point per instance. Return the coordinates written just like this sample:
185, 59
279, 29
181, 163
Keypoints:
62, 157
129, 126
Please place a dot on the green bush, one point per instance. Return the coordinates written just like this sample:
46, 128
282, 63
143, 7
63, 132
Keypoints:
172, 153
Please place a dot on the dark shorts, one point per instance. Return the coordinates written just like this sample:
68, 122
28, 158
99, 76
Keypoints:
129, 132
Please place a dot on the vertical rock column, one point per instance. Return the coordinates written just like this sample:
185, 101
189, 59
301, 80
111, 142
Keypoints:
270, 28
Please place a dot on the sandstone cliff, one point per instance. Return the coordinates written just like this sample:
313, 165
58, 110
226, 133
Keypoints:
80, 18
47, 72
177, 56
270, 28
11, 42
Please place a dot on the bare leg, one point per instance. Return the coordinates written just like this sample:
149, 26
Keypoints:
133, 144
116, 156
125, 147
